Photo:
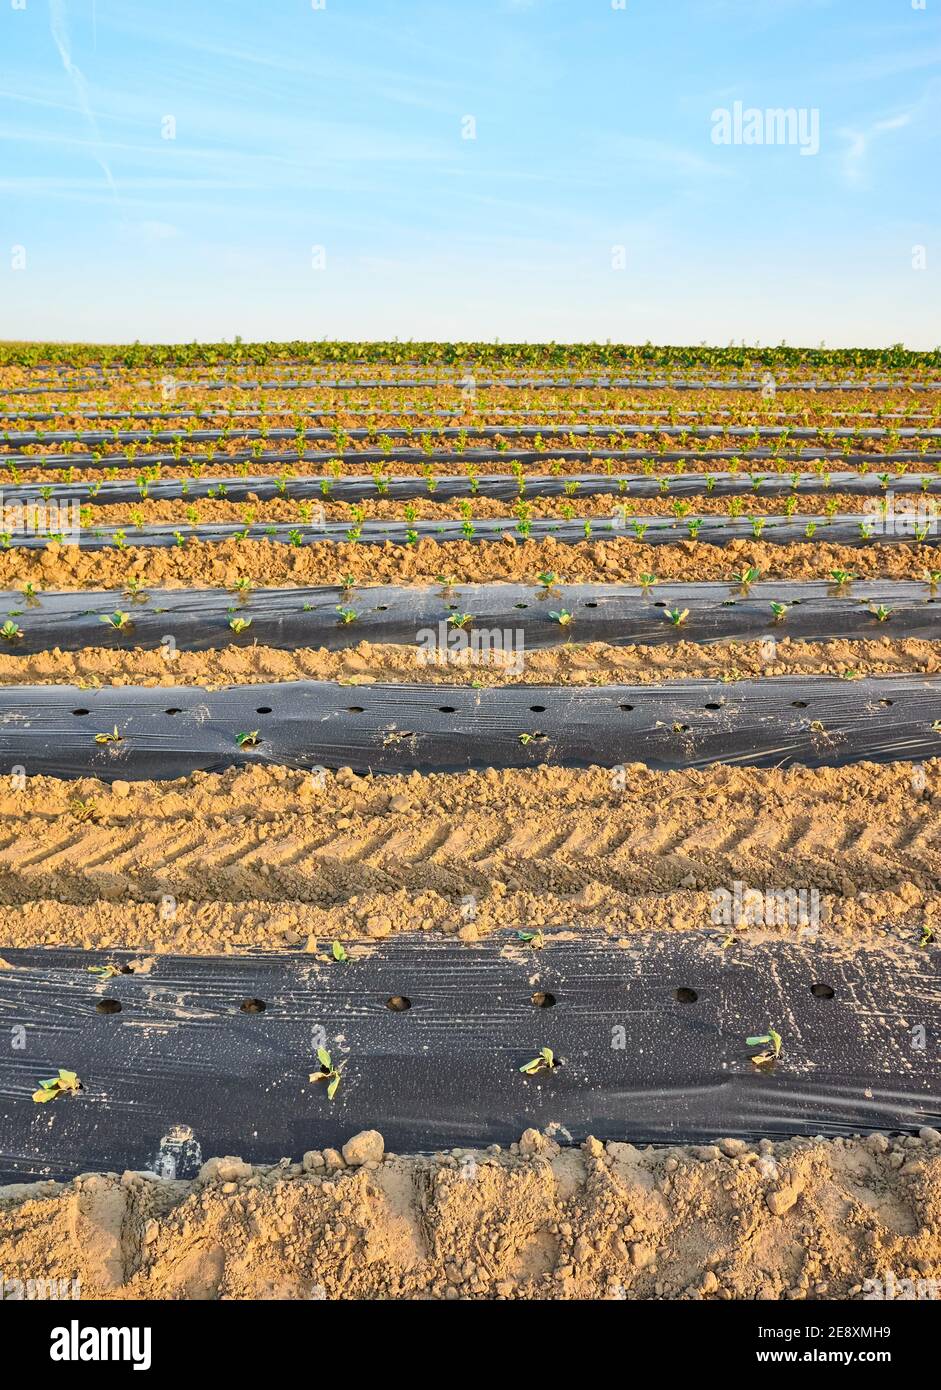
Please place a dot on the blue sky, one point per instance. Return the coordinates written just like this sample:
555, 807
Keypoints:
319, 183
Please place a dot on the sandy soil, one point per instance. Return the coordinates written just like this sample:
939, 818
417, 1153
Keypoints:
805, 1219
269, 564
273, 858
589, 663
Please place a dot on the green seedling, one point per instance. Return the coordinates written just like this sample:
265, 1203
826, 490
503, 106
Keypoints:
239, 624
881, 613
544, 1062
65, 1083
328, 1072
842, 577
562, 616
248, 740
676, 616
460, 619
339, 951
10, 632
780, 611
771, 1040
647, 581
104, 972
113, 737
747, 576
242, 585
119, 621
547, 579
927, 937
347, 615
532, 938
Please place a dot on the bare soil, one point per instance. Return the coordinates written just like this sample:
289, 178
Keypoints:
509, 560
587, 663
806, 1219
273, 858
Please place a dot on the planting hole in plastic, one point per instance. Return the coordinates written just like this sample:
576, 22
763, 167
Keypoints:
543, 999
253, 1006
108, 1006
685, 995
263, 709
80, 711
398, 1003
822, 991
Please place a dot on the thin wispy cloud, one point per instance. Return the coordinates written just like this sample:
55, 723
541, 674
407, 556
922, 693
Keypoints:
859, 143
59, 28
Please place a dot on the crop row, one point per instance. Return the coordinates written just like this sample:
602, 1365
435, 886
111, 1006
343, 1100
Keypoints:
495, 622
428, 1032
299, 415
458, 354
430, 466
846, 529
334, 488
546, 432
133, 733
